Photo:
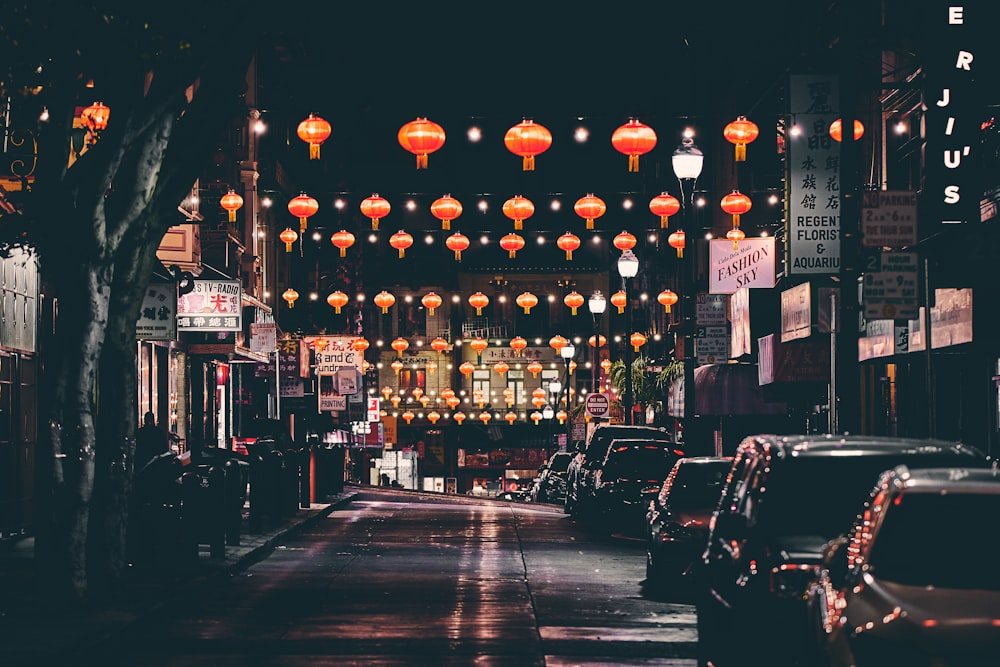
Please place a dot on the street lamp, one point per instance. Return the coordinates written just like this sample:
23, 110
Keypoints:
567, 352
687, 162
628, 267
597, 305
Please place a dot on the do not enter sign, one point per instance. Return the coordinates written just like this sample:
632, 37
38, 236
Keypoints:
598, 405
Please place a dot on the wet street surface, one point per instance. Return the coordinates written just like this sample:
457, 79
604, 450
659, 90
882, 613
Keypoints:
396, 578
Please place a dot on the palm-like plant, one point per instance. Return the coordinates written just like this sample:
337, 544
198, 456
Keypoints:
647, 388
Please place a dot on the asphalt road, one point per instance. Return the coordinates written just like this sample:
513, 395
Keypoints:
405, 579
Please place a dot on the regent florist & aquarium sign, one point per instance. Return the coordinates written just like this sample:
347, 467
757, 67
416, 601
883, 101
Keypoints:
212, 305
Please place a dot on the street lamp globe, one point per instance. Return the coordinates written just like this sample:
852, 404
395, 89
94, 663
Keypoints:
628, 264
597, 303
687, 160
548, 412
555, 387
567, 351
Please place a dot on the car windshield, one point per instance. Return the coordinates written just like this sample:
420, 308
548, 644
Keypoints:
821, 495
560, 463
938, 540
602, 438
697, 486
646, 461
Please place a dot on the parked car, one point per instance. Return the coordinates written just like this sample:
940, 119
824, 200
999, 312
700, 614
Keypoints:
915, 581
550, 485
785, 497
677, 517
630, 466
590, 453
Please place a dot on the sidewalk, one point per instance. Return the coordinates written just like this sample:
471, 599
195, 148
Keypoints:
31, 634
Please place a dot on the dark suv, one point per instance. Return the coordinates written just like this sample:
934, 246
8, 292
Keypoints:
784, 498
590, 454
632, 466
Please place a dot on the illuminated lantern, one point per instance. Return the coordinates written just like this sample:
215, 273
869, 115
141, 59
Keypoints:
360, 345
439, 345
538, 393
637, 340
95, 117
572, 367
384, 300
399, 344
573, 300
477, 397
512, 243
417, 393
600, 341
625, 241
343, 240
517, 343
337, 300
446, 209
667, 298
518, 209
534, 368
457, 242
536, 417
485, 417
453, 401
501, 368
433, 416
231, 202
459, 417
421, 137
289, 236
387, 392
314, 131
736, 203
526, 300
538, 402
424, 400
479, 301
511, 417
466, 369
479, 344
375, 208
447, 393
590, 208
634, 138
605, 365
664, 205
396, 400
561, 416
741, 132
837, 132
508, 396
568, 243
408, 416
320, 344
401, 241
396, 366
431, 302
557, 342
619, 299
677, 241
735, 235
303, 207
291, 296
527, 139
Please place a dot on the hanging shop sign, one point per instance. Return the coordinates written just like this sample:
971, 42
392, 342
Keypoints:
158, 315
796, 312
329, 399
336, 353
889, 291
211, 305
711, 309
263, 337
751, 264
889, 219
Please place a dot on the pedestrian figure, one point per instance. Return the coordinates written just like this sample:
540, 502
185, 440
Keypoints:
150, 441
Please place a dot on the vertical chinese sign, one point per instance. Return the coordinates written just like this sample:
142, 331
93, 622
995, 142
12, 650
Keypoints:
158, 315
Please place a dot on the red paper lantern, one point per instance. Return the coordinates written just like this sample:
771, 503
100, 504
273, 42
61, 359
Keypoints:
479, 301
479, 344
735, 235
303, 207
408, 416
590, 208
314, 131
421, 137
95, 117
637, 340
360, 345
453, 401
337, 300
625, 241
741, 132
467, 369
375, 208
536, 417
384, 300
431, 302
396, 366
501, 368
677, 241
485, 417
342, 240
634, 138
597, 341
527, 139
400, 345
433, 416
291, 296
619, 299
664, 205
535, 367
457, 242
446, 209
289, 236
518, 343
439, 345
231, 202
573, 300
526, 300
459, 417
387, 392
401, 241
558, 342
667, 298
568, 243
837, 132
518, 209
736, 203
511, 417
512, 243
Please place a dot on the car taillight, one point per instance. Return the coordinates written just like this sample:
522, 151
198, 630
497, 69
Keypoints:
791, 580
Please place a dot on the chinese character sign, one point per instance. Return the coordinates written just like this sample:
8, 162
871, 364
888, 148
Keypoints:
158, 316
336, 353
213, 305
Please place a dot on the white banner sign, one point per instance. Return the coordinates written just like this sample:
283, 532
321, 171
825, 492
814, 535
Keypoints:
334, 352
796, 312
263, 337
889, 219
158, 316
751, 264
212, 305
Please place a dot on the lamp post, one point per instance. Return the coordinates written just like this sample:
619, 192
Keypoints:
628, 267
687, 162
567, 352
597, 305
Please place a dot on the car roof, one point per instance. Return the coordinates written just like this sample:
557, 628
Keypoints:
941, 480
797, 446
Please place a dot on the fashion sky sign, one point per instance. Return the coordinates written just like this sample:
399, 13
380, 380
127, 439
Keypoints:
749, 265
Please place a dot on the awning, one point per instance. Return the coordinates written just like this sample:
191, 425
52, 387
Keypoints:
724, 390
